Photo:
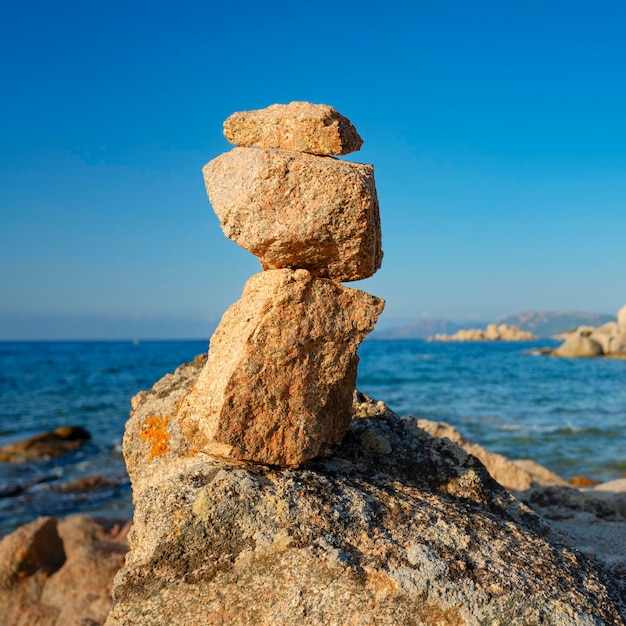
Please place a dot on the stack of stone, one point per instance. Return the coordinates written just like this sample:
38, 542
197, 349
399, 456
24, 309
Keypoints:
278, 384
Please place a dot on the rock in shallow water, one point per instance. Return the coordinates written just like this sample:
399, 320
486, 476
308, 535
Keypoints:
396, 527
51, 444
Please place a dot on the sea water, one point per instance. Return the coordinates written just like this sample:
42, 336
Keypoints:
567, 414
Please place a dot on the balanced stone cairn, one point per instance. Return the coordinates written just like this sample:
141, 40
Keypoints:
278, 384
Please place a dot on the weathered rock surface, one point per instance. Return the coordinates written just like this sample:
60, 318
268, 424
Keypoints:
50, 444
395, 527
278, 384
60, 572
493, 332
299, 126
298, 211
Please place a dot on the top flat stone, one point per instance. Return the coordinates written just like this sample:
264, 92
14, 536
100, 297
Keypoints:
300, 126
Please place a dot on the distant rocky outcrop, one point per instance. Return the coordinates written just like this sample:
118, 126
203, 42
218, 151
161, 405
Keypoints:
606, 340
550, 323
493, 332
393, 526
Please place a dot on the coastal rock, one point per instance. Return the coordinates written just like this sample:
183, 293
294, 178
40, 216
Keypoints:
493, 332
609, 339
278, 384
610, 328
592, 520
514, 475
579, 346
395, 527
539, 474
86, 484
299, 126
60, 572
617, 345
298, 211
50, 444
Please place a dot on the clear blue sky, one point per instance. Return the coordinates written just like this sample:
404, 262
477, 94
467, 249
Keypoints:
497, 131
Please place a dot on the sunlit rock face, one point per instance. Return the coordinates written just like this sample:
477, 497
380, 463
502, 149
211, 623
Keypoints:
298, 211
299, 126
277, 387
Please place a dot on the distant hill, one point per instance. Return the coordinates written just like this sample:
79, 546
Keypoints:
422, 329
547, 323
540, 323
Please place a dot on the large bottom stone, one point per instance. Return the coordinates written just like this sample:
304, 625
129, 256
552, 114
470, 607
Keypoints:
277, 387
396, 527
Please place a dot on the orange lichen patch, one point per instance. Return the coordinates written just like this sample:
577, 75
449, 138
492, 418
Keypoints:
583, 481
155, 433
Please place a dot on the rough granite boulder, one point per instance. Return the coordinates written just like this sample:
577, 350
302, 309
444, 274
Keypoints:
298, 211
393, 527
299, 126
57, 572
278, 384
51, 444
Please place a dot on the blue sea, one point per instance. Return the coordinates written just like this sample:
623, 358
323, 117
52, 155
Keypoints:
569, 415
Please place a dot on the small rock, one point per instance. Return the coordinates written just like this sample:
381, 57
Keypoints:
298, 211
50, 444
493, 332
539, 474
583, 481
299, 126
12, 489
86, 484
278, 384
